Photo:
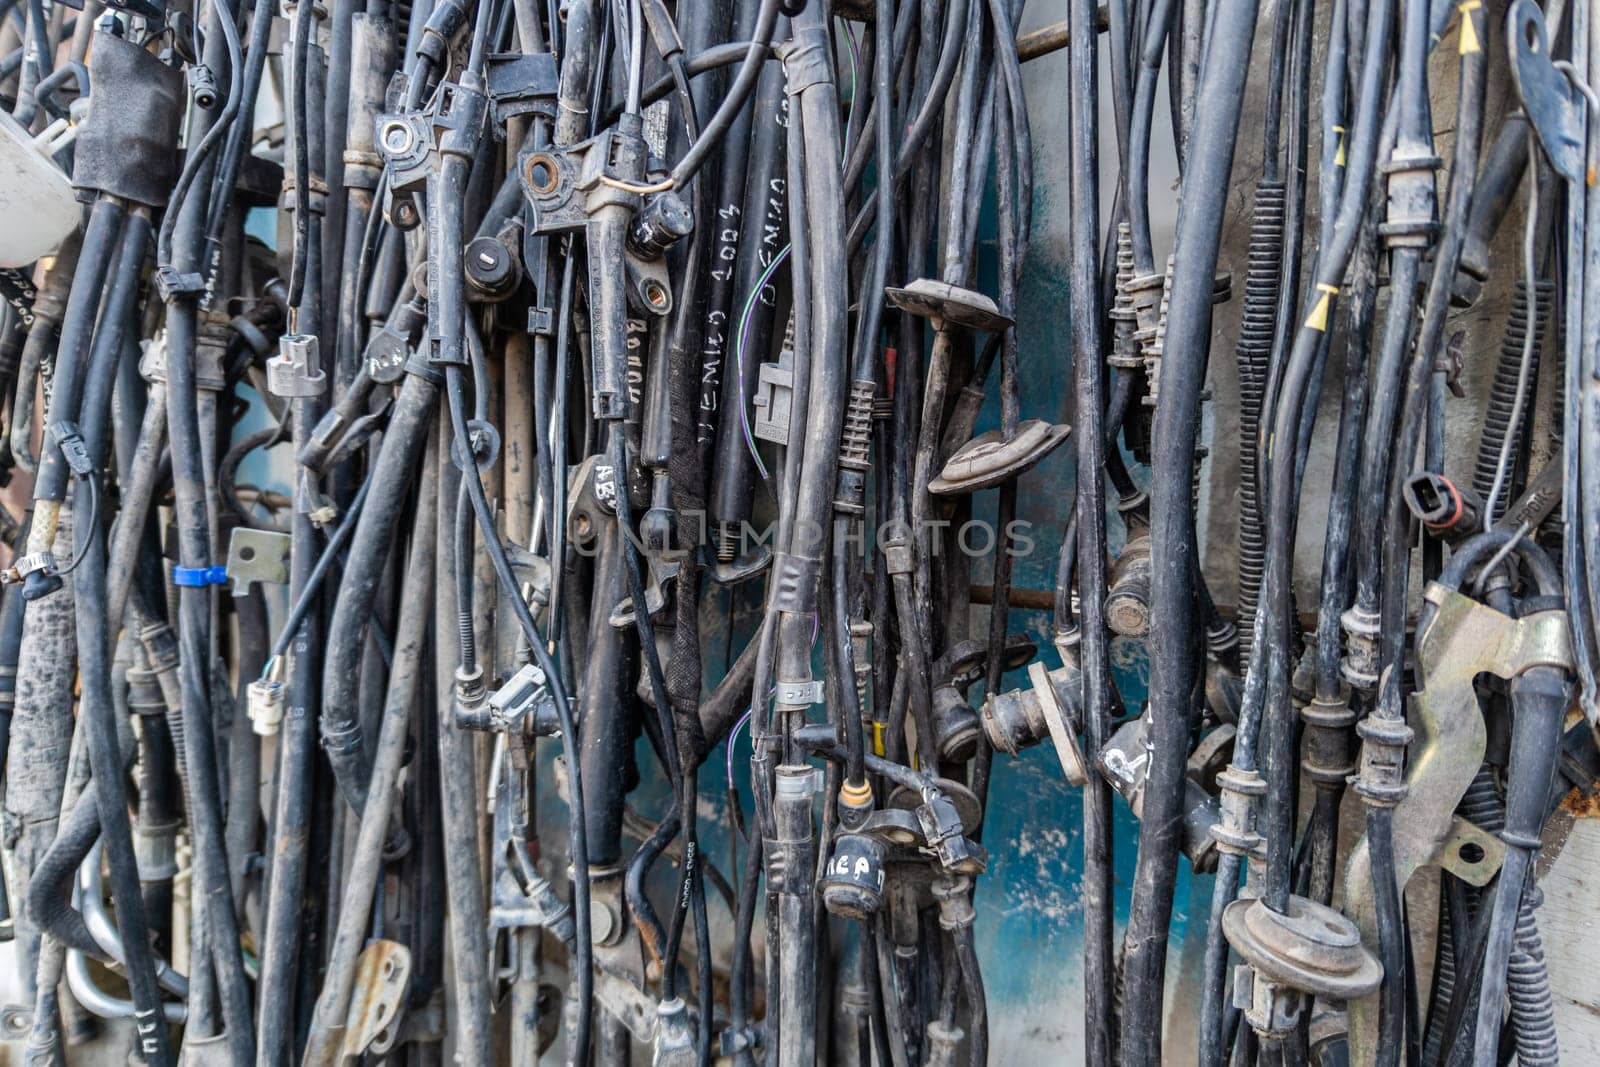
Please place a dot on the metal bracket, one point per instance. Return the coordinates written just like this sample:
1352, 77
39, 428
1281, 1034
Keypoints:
257, 556
373, 1022
1553, 104
1471, 853
521, 85
626, 1003
1463, 640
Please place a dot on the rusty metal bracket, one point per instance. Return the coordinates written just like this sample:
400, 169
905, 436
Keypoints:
373, 1023
1463, 639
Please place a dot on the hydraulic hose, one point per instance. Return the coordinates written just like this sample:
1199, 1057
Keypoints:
1174, 629
583, 962
100, 242
1090, 518
366, 861
1265, 681
1385, 724
392, 471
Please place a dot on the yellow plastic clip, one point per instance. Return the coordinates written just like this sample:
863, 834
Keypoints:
1469, 42
1318, 319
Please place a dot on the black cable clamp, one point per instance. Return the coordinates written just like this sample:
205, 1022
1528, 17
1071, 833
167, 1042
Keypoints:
172, 283
74, 451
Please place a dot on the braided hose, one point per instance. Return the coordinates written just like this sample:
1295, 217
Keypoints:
1533, 1010
1444, 989
1481, 803
1503, 392
1257, 325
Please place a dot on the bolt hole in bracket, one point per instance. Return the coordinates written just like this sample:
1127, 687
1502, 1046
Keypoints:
1553, 100
383, 974
563, 186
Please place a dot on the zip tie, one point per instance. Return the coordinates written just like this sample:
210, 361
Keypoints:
196, 577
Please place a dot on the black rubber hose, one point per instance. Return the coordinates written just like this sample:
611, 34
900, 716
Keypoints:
652, 934
750, 334
292, 819
180, 248
459, 804
49, 890
611, 712
741, 976
972, 989
248, 87
1174, 630
1413, 151
298, 166
1279, 724
829, 338
1385, 721
1294, 218
733, 101
392, 474
725, 195
932, 107
930, 113
730, 699
306, 595
678, 774
1088, 374
97, 713
121, 290
205, 133
1328, 717
687, 487
1497, 188
1157, 20
1333, 258
366, 855
583, 961
100, 243
1539, 699
862, 385
191, 517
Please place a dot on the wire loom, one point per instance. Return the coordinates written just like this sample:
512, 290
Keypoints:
582, 317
